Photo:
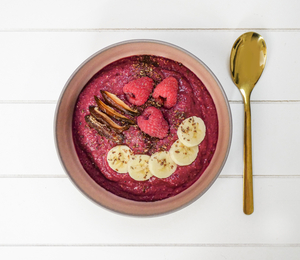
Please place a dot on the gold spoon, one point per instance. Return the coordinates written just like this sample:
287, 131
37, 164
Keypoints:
247, 62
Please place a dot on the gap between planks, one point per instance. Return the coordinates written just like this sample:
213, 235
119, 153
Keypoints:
143, 29
199, 245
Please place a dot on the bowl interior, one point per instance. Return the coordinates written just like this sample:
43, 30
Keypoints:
63, 127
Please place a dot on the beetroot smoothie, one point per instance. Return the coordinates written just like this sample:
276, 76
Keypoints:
192, 99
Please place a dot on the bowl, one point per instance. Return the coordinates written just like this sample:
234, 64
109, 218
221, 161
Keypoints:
63, 127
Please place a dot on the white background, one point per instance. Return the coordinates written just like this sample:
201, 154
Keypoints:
44, 216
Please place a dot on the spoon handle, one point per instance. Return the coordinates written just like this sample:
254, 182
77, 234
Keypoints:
248, 179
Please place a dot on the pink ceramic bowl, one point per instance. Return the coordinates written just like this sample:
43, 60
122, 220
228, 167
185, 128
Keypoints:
63, 127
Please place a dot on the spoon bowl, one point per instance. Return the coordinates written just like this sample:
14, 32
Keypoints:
247, 62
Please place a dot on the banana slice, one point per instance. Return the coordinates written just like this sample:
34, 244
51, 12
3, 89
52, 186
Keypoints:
118, 158
161, 165
138, 167
191, 131
183, 155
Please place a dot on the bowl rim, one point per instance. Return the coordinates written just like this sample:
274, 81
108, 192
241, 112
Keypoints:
135, 209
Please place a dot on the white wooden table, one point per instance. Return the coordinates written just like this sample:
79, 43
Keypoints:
44, 216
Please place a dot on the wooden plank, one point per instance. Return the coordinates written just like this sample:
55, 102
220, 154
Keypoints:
40, 211
36, 65
274, 151
155, 14
29, 140
149, 253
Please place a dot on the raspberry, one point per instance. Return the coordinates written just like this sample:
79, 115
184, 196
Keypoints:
166, 92
153, 123
139, 90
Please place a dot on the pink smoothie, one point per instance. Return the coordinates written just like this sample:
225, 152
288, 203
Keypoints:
193, 100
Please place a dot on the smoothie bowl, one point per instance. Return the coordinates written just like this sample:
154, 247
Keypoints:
143, 128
